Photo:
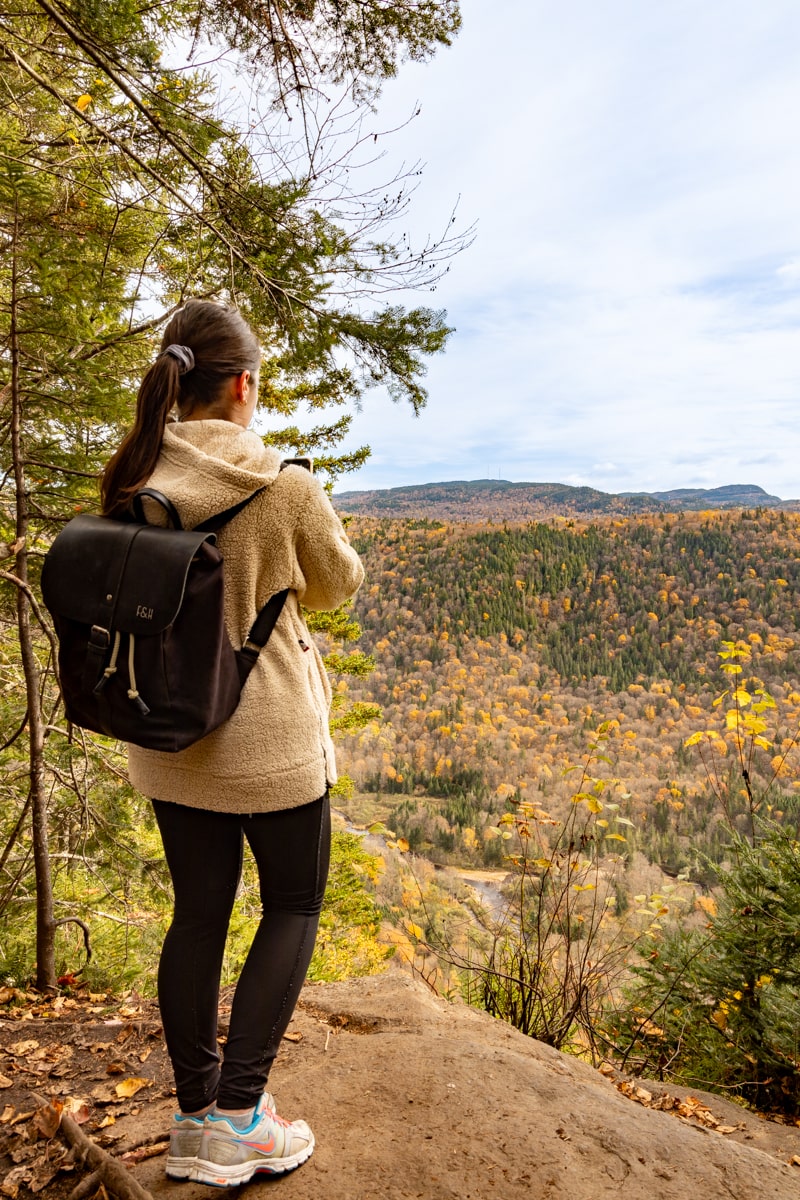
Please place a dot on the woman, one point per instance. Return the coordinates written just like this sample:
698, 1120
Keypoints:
264, 774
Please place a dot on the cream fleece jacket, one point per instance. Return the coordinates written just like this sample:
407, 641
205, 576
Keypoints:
275, 751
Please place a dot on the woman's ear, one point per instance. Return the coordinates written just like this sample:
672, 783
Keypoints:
242, 387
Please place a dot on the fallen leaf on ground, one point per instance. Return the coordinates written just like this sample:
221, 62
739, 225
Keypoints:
129, 1087
23, 1047
293, 1037
45, 1171
5, 1082
48, 1118
77, 1109
13, 1180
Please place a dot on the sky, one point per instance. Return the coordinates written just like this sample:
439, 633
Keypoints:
628, 314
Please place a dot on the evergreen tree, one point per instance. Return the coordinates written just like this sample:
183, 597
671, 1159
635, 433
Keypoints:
123, 190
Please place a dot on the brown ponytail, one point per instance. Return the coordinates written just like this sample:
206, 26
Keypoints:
222, 345
135, 459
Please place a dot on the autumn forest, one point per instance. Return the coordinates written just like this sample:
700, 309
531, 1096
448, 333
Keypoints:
499, 647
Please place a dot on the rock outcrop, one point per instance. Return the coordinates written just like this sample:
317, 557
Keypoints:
412, 1096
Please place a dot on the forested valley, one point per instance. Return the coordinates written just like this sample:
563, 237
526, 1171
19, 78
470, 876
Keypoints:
499, 648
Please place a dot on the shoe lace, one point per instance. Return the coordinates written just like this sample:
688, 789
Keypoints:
278, 1120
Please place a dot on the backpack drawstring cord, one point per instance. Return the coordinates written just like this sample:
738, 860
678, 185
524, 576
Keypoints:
132, 691
112, 664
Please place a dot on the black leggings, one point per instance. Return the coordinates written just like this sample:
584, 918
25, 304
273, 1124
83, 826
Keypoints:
204, 855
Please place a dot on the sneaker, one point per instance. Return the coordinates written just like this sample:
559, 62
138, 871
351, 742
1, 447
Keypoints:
185, 1136
229, 1155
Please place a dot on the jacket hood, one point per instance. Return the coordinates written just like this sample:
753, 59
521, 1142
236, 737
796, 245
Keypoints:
207, 466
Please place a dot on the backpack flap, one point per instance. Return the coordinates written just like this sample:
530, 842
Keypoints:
120, 575
154, 580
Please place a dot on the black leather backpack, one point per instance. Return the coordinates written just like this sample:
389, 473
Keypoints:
144, 655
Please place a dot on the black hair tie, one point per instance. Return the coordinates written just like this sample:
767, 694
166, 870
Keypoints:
183, 355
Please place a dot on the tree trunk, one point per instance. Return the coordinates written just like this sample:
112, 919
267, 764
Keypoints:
45, 922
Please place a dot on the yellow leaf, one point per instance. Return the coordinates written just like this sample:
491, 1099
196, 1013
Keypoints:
414, 930
742, 697
402, 845
616, 837
83, 102
129, 1087
594, 805
695, 738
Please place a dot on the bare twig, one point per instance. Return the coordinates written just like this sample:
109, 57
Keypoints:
86, 942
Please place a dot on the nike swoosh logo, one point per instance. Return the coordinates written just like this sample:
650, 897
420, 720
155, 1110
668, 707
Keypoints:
263, 1147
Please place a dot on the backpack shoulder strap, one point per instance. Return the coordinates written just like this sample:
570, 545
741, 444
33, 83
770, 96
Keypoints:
260, 633
215, 523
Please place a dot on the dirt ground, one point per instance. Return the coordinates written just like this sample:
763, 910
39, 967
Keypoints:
408, 1095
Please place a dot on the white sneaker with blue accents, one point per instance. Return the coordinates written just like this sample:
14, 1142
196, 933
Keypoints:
229, 1155
185, 1136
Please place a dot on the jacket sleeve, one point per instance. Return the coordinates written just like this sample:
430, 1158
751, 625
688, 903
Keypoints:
331, 570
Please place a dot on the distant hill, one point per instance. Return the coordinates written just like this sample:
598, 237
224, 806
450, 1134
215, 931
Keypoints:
499, 499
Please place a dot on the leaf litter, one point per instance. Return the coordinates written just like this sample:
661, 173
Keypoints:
690, 1107
86, 1052
91, 1056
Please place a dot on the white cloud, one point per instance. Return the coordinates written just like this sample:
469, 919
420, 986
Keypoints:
628, 316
